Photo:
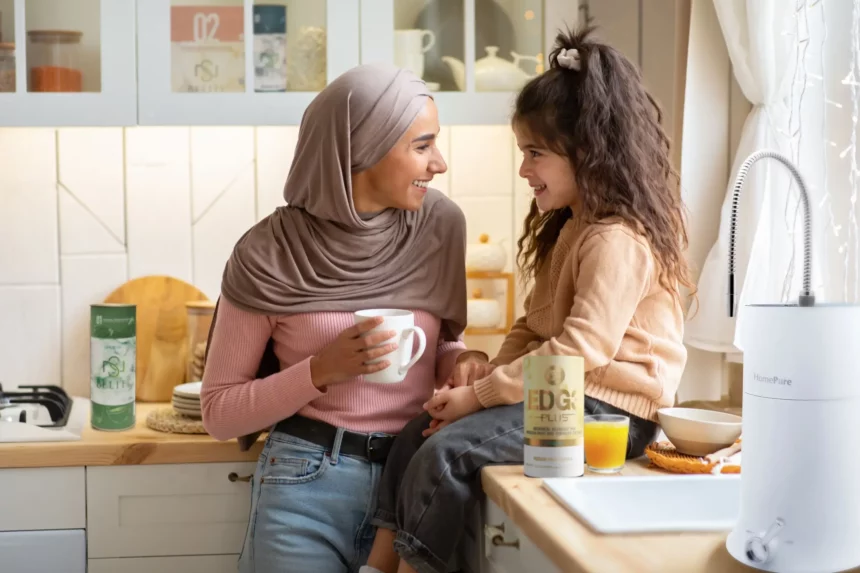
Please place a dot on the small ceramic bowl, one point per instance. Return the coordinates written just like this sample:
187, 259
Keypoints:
697, 432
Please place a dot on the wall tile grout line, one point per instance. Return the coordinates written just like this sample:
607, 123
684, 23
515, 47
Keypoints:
125, 200
191, 201
59, 293
29, 285
62, 187
256, 177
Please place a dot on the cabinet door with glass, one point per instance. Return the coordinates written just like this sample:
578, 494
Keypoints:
507, 42
240, 62
67, 63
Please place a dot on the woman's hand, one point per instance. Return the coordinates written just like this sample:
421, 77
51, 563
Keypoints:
448, 406
470, 366
348, 355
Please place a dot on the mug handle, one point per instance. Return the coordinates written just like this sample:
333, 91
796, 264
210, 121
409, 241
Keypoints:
422, 344
431, 43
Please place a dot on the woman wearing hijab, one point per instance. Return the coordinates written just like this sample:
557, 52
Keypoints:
361, 230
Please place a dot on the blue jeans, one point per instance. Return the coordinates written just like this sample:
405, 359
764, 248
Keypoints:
431, 485
311, 509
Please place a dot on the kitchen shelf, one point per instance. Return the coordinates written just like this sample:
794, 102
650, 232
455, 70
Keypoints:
190, 62
98, 70
509, 306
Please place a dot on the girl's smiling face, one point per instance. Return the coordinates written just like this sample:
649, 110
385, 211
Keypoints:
549, 174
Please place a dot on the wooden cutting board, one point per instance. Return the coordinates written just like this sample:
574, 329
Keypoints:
162, 332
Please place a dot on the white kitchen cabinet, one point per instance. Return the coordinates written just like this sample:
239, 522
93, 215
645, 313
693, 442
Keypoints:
196, 59
41, 551
42, 499
165, 510
185, 564
81, 72
494, 544
433, 38
42, 520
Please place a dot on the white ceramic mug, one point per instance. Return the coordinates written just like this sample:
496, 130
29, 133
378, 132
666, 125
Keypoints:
402, 359
412, 41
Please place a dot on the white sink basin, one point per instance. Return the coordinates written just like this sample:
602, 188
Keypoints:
651, 504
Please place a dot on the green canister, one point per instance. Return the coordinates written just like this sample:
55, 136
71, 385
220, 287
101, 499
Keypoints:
113, 356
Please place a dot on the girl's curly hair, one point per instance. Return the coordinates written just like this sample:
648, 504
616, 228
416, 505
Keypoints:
604, 121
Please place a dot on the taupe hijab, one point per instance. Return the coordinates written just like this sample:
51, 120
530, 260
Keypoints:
317, 254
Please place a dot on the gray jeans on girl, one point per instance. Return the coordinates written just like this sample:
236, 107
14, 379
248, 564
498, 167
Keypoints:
429, 486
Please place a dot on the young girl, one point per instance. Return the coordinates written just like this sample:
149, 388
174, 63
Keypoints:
603, 242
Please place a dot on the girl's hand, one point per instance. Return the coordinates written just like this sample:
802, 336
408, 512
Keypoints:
470, 366
347, 356
448, 406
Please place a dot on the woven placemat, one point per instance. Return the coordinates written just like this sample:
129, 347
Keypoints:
665, 456
168, 420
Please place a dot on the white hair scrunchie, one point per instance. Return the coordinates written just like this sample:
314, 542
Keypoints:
569, 59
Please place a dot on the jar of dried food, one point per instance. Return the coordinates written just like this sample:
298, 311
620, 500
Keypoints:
200, 314
54, 58
7, 67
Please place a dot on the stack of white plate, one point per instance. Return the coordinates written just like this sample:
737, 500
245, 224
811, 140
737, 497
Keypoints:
186, 399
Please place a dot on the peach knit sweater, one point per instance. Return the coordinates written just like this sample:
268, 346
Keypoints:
234, 403
598, 297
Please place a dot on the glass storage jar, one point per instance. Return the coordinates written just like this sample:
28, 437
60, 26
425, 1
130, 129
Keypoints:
200, 314
54, 60
7, 67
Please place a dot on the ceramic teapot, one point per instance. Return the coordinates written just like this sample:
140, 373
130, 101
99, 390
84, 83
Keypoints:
493, 73
482, 312
486, 256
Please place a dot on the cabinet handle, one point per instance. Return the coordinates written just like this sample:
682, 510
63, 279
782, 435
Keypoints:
495, 534
233, 476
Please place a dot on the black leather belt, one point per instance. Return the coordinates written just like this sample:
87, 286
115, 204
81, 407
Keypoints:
371, 447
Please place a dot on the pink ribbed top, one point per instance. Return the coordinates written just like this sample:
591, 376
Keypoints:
235, 403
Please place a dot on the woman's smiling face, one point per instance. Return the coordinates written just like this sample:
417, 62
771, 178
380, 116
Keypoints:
400, 179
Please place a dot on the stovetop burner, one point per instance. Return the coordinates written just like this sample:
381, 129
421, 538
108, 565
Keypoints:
53, 398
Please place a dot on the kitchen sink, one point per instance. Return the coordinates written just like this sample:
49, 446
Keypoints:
651, 504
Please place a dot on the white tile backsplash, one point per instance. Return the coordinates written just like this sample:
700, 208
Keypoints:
30, 334
92, 191
219, 157
275, 150
29, 253
217, 230
158, 191
86, 280
481, 160
81, 232
170, 201
443, 142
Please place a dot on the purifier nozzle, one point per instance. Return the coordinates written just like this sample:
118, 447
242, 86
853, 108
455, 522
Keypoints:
807, 297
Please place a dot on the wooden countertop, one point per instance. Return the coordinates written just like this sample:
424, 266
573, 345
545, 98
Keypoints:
140, 445
574, 548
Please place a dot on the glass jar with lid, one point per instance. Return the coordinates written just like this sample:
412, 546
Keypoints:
54, 60
7, 67
200, 314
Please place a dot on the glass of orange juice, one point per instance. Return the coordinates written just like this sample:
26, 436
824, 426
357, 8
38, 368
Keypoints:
606, 442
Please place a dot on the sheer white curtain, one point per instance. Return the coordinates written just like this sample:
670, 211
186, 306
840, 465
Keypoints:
761, 47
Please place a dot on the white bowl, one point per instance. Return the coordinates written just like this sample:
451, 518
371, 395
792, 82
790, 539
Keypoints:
698, 432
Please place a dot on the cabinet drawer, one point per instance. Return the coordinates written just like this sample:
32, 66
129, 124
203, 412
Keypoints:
43, 498
195, 564
162, 510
